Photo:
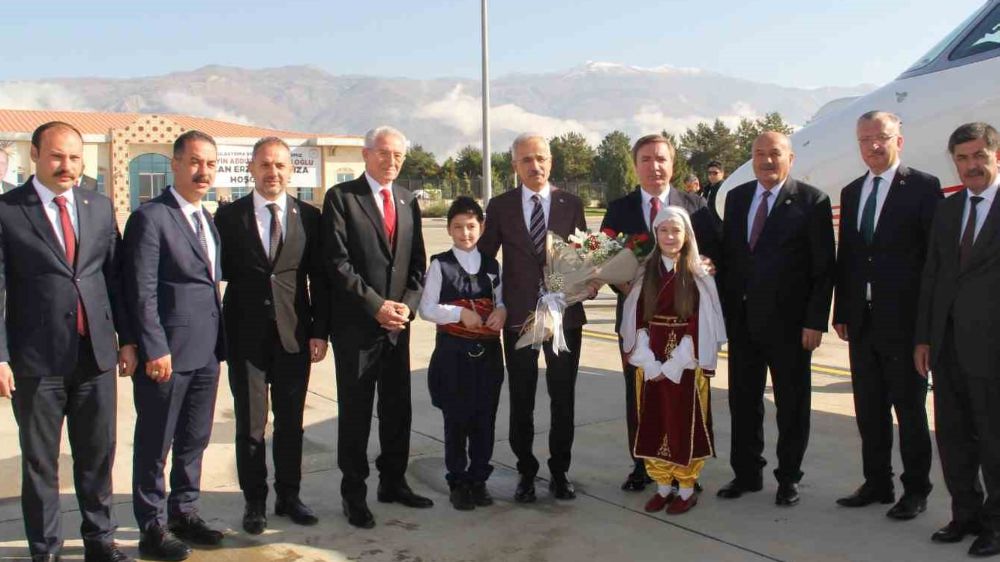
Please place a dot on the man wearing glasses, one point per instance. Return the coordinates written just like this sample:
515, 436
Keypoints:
885, 223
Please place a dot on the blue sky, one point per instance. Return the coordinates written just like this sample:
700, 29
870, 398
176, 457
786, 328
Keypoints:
802, 43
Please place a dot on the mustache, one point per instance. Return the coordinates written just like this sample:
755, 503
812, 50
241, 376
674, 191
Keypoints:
62, 172
975, 173
200, 178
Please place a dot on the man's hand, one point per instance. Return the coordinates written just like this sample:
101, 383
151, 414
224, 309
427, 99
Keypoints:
317, 349
922, 359
592, 288
128, 360
389, 317
497, 319
6, 381
811, 338
841, 331
403, 310
470, 319
708, 264
160, 369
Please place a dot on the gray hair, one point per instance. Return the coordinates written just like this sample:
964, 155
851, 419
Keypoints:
525, 137
383, 131
878, 115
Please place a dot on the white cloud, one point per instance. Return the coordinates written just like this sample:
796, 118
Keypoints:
188, 104
40, 95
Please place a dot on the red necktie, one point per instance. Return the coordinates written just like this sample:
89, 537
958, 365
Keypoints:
388, 214
69, 237
654, 209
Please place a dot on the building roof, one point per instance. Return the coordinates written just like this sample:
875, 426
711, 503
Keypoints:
101, 123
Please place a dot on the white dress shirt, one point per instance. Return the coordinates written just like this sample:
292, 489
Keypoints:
431, 308
755, 202
883, 191
647, 204
187, 208
263, 215
52, 210
376, 189
982, 209
545, 193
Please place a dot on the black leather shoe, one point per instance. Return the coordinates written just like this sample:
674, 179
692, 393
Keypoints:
401, 493
158, 544
480, 495
461, 497
788, 494
867, 495
45, 558
358, 514
104, 552
986, 544
525, 492
637, 480
735, 489
956, 531
193, 529
294, 509
562, 488
908, 507
254, 517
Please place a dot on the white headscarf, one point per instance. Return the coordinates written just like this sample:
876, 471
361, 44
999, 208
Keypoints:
711, 324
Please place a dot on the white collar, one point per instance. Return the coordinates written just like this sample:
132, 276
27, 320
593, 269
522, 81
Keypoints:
774, 190
667, 262
545, 192
260, 203
989, 193
887, 175
375, 185
466, 253
187, 207
47, 195
647, 197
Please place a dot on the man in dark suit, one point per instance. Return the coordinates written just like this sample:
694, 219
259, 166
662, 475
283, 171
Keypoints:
4, 163
61, 297
172, 257
777, 278
885, 220
374, 253
517, 223
958, 338
88, 183
275, 312
653, 156
716, 174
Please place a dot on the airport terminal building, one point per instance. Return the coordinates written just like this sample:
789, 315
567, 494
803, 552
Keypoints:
127, 155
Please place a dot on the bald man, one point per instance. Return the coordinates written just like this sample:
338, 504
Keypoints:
776, 284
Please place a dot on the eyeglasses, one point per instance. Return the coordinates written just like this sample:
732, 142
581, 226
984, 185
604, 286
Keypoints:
881, 139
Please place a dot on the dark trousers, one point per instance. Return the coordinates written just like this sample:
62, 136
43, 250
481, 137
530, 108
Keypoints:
361, 371
560, 380
174, 414
286, 375
967, 420
750, 357
87, 399
884, 378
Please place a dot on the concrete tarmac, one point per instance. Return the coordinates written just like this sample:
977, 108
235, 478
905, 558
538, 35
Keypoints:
603, 523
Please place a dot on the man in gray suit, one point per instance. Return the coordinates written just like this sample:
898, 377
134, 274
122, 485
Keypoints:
958, 338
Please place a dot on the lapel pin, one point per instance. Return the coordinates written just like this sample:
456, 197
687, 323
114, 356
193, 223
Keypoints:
788, 201
295, 211
401, 202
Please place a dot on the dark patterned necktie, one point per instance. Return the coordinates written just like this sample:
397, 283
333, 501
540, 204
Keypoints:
969, 235
759, 218
868, 213
275, 241
199, 231
537, 227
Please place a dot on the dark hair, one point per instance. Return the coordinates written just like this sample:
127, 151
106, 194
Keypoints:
465, 205
36, 137
268, 141
715, 164
650, 139
193, 135
974, 131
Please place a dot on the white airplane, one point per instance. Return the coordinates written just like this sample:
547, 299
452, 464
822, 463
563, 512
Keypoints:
958, 81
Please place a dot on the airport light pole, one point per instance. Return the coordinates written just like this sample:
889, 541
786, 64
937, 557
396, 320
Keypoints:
487, 166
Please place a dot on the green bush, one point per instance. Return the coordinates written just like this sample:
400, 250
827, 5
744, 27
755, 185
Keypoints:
432, 210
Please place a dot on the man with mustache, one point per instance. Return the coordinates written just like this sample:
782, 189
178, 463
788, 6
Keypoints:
517, 222
958, 338
172, 264
776, 277
885, 221
275, 311
60, 288
653, 156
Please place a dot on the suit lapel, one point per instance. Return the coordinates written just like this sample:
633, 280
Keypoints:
742, 209
184, 225
849, 206
33, 210
517, 212
86, 241
249, 216
774, 219
404, 223
892, 200
635, 209
366, 200
987, 235
291, 247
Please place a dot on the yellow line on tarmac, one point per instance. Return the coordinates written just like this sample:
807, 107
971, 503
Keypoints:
821, 369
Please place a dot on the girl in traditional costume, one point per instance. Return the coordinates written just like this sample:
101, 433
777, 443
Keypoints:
672, 329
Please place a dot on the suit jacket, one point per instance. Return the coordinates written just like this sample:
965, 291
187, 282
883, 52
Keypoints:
172, 295
711, 194
522, 267
786, 282
364, 270
892, 263
89, 183
966, 296
5, 187
39, 287
293, 292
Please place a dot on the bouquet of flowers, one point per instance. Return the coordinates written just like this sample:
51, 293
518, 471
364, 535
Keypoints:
572, 266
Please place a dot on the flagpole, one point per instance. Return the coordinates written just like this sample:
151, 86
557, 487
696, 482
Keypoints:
487, 167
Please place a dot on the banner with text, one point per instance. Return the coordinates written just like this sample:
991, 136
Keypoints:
234, 167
